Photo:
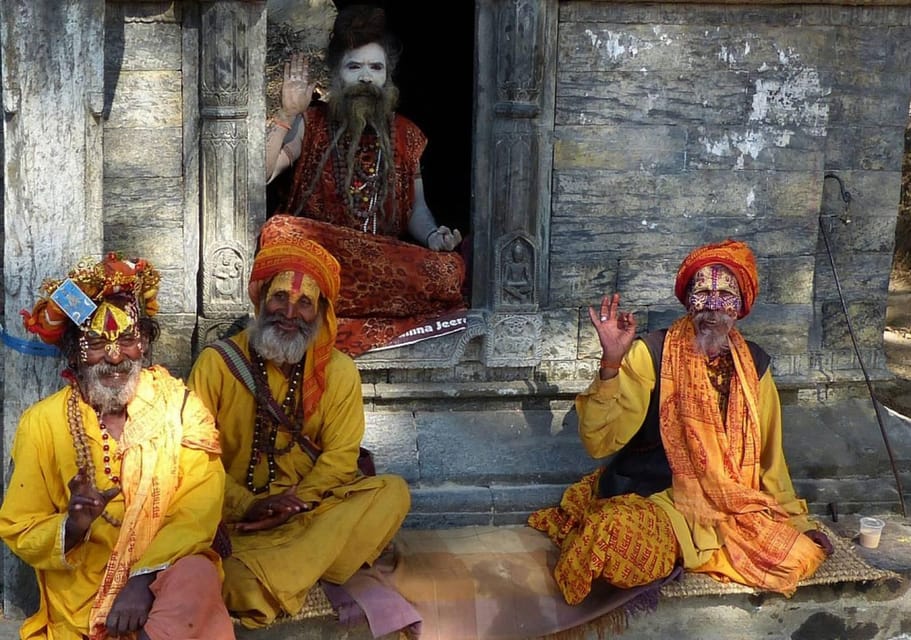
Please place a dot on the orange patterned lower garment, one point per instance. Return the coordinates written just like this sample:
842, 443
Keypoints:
626, 540
388, 286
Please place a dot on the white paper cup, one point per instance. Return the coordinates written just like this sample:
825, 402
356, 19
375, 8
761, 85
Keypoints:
870, 531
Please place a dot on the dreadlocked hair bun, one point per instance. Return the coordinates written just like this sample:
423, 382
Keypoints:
356, 26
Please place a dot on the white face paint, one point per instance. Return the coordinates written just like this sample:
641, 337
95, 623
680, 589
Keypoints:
365, 64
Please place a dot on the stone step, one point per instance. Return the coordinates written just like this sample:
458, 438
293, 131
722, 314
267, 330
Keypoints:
492, 467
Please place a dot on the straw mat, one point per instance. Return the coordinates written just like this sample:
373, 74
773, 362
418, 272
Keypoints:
316, 606
844, 565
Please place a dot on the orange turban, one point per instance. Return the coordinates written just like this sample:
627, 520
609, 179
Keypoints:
284, 246
734, 255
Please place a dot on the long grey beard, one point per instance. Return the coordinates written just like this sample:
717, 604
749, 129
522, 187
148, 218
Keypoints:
360, 107
274, 345
713, 340
105, 399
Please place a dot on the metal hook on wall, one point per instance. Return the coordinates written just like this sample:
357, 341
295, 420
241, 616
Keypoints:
844, 193
846, 197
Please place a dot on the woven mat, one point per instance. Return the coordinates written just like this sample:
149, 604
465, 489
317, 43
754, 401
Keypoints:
316, 606
844, 565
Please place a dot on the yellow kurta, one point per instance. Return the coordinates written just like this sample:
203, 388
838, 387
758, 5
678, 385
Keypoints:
611, 411
35, 507
354, 517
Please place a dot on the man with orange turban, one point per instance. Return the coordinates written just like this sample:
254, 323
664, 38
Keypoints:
289, 409
117, 483
697, 477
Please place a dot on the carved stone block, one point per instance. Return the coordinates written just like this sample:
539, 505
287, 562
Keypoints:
224, 281
515, 261
512, 340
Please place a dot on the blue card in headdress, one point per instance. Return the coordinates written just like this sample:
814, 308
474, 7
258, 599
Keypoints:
73, 301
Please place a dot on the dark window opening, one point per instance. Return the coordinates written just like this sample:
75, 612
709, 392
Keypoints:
435, 77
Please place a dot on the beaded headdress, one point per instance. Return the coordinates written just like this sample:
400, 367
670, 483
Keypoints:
85, 298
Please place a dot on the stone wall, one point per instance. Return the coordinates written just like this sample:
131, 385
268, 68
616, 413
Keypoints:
610, 139
680, 124
150, 178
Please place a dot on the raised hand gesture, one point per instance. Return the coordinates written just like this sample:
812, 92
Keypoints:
616, 330
86, 503
297, 89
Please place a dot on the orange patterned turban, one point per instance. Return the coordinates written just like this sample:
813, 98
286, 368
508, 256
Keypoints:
734, 255
112, 277
284, 246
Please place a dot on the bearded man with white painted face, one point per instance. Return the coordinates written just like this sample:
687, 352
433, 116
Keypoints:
692, 419
117, 483
357, 180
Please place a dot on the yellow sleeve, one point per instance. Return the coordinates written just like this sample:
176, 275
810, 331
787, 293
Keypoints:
775, 479
207, 379
611, 411
340, 429
34, 509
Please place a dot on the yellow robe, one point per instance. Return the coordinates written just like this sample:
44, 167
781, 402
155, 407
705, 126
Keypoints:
353, 518
611, 411
35, 507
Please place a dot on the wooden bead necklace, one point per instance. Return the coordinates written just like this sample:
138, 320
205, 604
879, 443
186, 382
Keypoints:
83, 454
265, 429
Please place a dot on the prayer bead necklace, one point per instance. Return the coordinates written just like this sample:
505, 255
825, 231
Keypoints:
367, 180
83, 454
106, 447
265, 429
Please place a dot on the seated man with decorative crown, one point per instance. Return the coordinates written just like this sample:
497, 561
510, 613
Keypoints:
116, 488
692, 419
357, 182
289, 410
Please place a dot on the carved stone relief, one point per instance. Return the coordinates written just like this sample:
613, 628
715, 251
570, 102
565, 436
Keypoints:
224, 280
516, 272
513, 340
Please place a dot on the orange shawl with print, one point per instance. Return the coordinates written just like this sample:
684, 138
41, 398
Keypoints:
716, 463
150, 472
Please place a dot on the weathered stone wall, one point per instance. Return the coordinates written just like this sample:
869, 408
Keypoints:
150, 180
622, 135
681, 124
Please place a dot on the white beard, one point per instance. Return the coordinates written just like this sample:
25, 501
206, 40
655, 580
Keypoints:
106, 399
712, 329
276, 346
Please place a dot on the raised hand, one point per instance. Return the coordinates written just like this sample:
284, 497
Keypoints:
272, 511
297, 89
444, 239
85, 505
616, 329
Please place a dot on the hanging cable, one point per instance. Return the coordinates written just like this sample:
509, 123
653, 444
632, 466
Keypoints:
846, 198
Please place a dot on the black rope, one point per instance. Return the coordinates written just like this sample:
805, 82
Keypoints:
846, 197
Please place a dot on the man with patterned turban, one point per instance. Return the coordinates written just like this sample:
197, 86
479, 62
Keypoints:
116, 488
289, 410
356, 172
697, 477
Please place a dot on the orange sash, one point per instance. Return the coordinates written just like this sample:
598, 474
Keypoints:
716, 464
150, 471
